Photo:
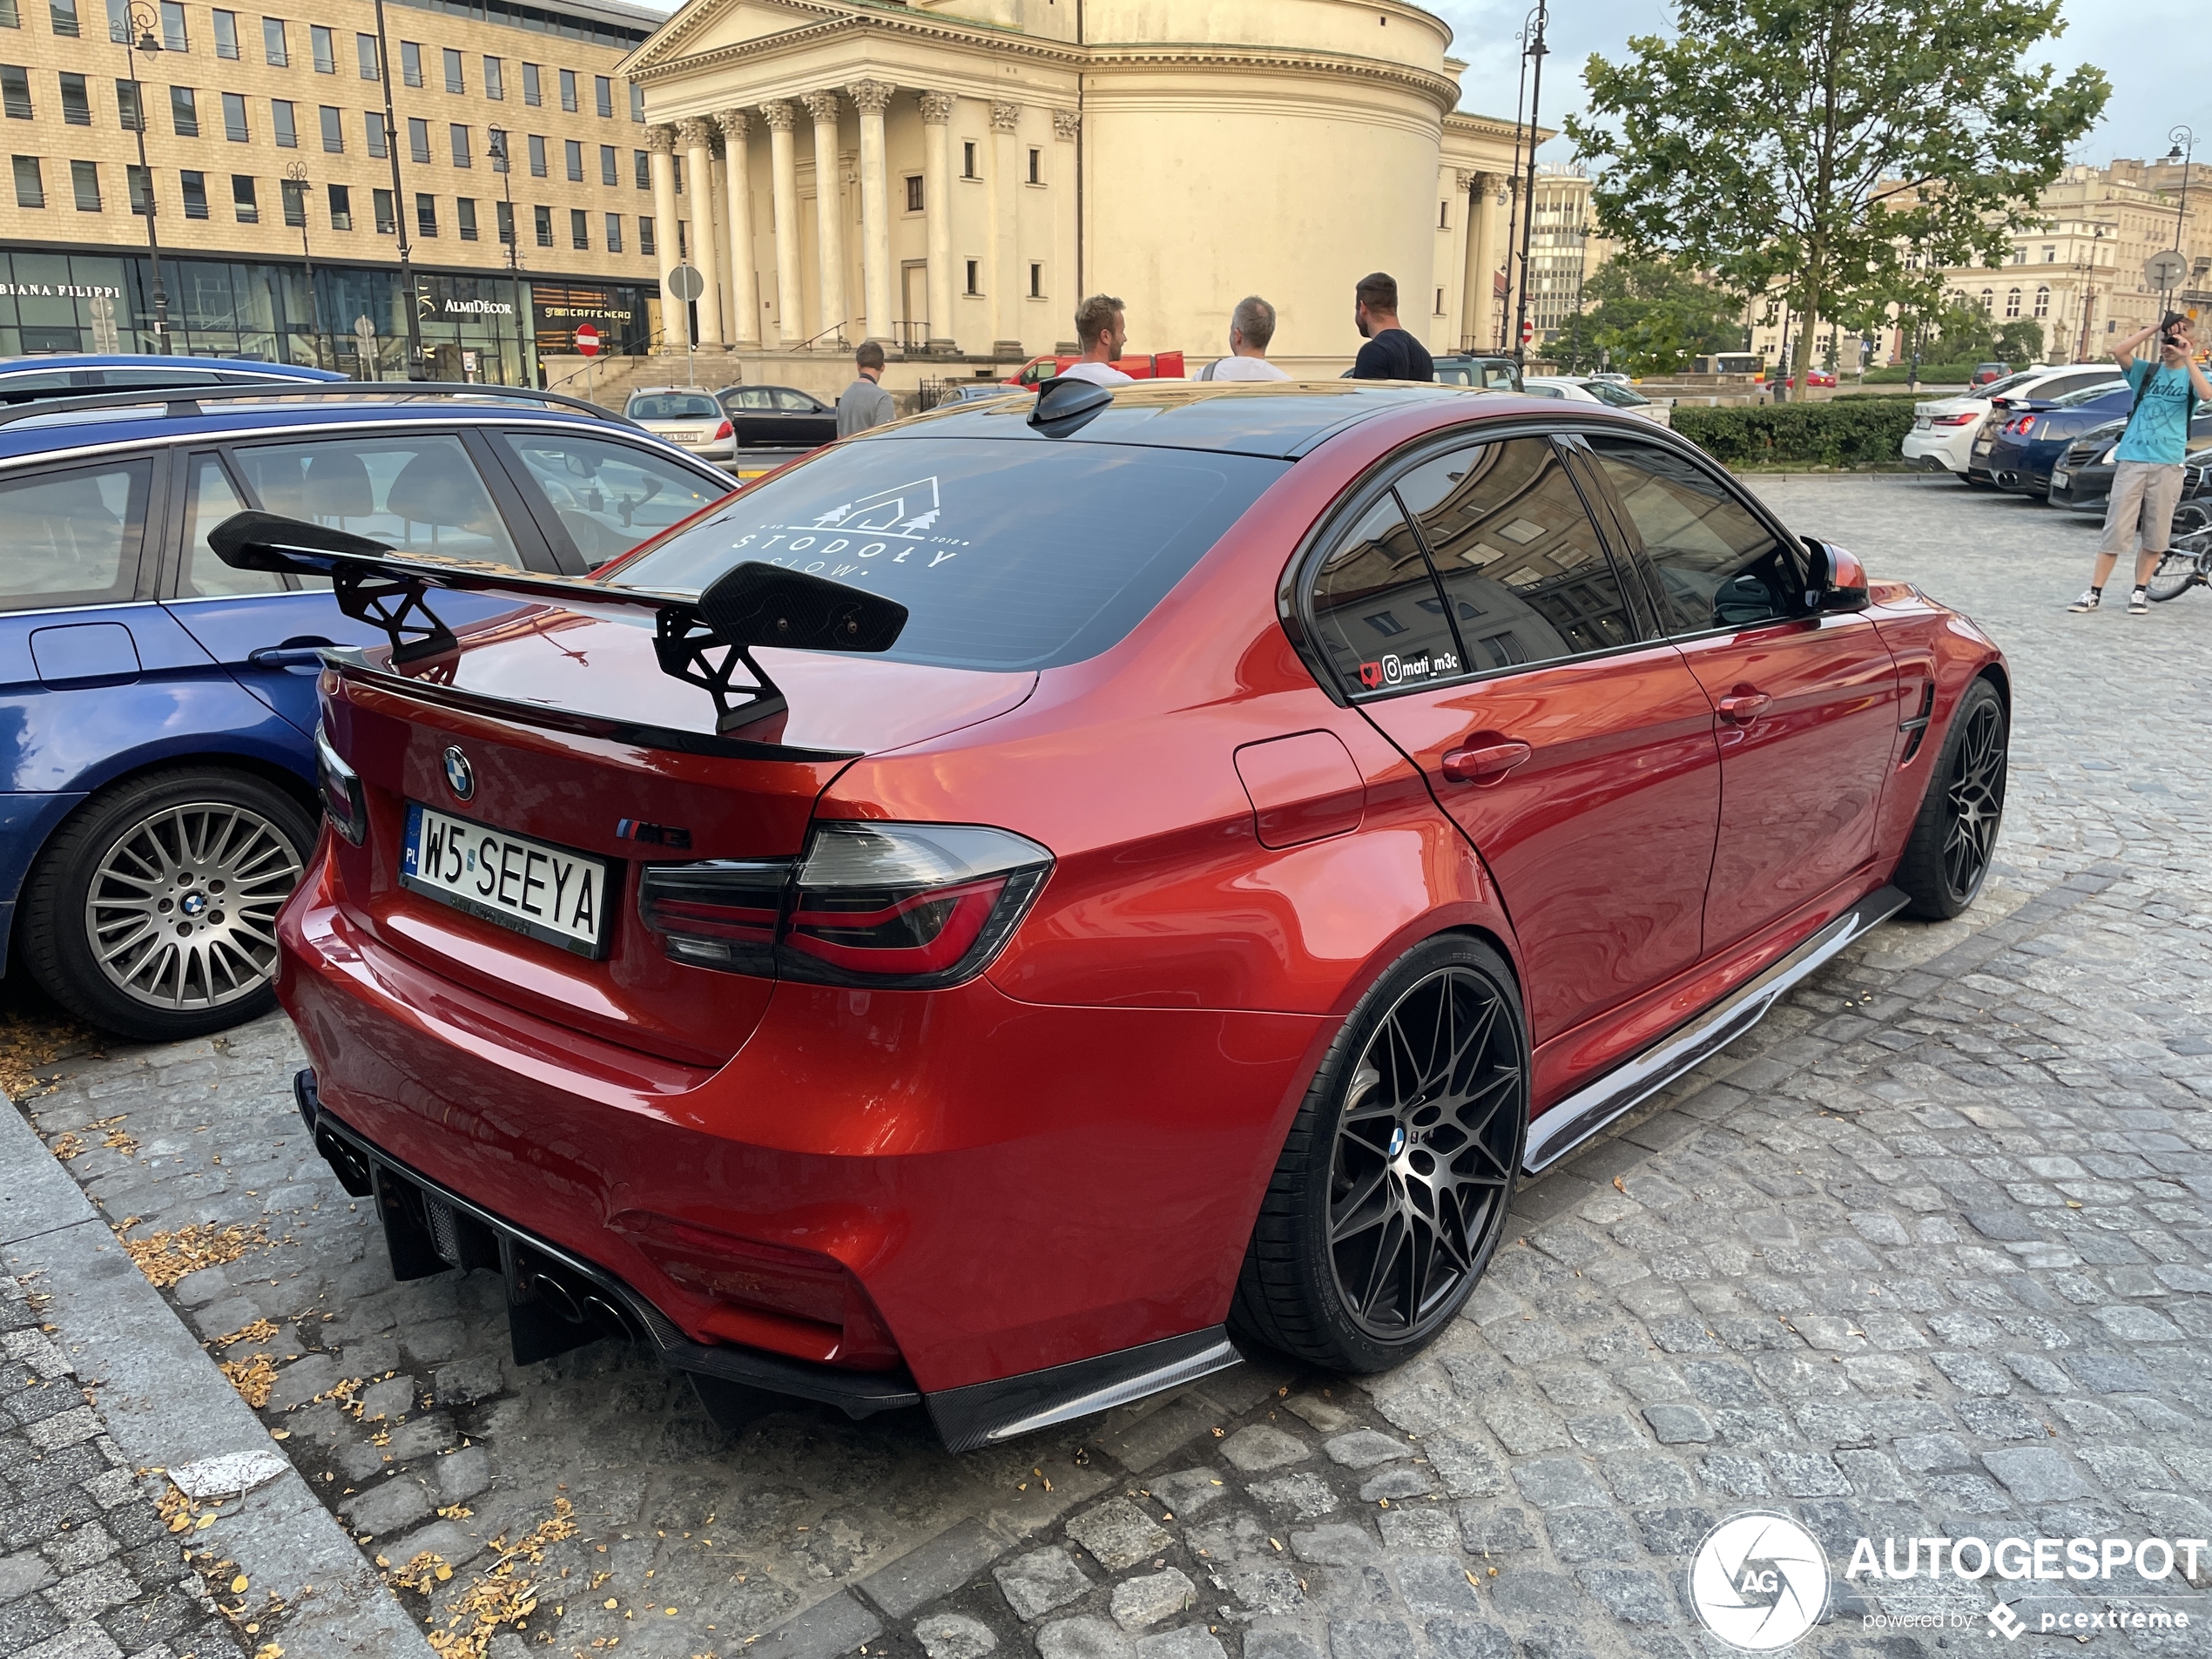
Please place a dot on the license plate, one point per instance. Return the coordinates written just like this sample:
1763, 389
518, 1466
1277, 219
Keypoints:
549, 893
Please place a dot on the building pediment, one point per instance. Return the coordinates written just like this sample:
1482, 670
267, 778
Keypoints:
707, 31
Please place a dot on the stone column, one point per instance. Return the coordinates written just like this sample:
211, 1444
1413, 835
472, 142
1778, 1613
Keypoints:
745, 292
697, 138
937, 206
829, 215
1452, 278
1065, 283
1006, 287
1479, 304
675, 323
792, 319
872, 99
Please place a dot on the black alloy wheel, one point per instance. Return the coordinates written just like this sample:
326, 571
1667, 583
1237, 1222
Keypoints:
1954, 841
1393, 1188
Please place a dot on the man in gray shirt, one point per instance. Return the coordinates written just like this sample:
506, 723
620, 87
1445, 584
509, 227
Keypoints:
865, 403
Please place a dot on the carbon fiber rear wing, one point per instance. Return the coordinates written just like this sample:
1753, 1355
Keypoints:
704, 640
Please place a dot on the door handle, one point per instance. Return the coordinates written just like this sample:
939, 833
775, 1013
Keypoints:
1741, 707
1486, 763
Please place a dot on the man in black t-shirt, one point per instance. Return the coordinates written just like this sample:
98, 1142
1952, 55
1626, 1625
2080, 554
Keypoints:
1391, 354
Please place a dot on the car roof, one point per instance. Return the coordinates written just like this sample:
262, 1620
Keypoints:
1280, 420
64, 431
51, 362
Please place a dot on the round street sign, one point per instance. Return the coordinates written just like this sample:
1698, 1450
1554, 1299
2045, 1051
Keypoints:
1528, 332
685, 283
2164, 270
587, 340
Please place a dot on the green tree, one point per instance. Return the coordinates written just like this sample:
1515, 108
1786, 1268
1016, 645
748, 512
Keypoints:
1797, 148
2020, 341
1649, 316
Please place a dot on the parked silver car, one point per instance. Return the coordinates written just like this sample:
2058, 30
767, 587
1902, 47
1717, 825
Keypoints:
685, 416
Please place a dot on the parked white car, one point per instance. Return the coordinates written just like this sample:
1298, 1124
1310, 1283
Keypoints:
1944, 429
1592, 389
686, 415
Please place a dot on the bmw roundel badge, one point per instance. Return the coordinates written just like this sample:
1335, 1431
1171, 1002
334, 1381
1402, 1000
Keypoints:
460, 776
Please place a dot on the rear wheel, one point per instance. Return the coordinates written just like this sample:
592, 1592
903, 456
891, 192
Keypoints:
153, 912
2176, 574
1393, 1188
1953, 839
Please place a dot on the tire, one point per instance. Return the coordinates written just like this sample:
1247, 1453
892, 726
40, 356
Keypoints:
1948, 856
139, 863
2176, 576
1387, 1202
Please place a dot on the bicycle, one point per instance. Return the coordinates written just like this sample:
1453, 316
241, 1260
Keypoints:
2188, 560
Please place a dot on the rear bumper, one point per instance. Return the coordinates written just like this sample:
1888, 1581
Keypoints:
1015, 1189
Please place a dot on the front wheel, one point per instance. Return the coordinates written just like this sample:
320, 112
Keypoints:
2176, 574
1392, 1190
152, 911
1955, 836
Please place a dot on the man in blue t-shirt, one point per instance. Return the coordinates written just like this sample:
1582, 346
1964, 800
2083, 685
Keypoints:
2147, 467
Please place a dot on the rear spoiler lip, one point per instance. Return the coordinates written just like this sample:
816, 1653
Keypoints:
352, 662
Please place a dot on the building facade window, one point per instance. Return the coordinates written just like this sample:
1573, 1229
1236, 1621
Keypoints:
646, 245
609, 166
458, 135
173, 35
2043, 302
15, 91
365, 58
454, 82
234, 127
1037, 281
533, 89
914, 196
85, 184
323, 46
77, 104
537, 155
381, 205
31, 187
283, 124
195, 188
464, 218
333, 130
2011, 302
542, 223
418, 140
62, 15
974, 276
294, 195
967, 159
274, 52
642, 164
495, 82
502, 214
614, 233
426, 215
184, 112
411, 63
579, 228
341, 207
130, 114
1988, 301
568, 91
246, 206
603, 96
373, 133
1036, 166
572, 152
638, 104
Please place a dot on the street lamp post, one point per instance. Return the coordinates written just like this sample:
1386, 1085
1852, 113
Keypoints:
296, 174
407, 306
1537, 51
501, 165
139, 36
2184, 151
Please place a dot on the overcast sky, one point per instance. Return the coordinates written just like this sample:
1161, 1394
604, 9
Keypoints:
2152, 51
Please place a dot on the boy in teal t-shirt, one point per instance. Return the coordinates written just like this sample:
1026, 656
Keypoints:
2146, 466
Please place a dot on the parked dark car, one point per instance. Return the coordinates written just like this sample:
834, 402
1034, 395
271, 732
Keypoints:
2082, 477
2025, 436
1990, 374
157, 707
778, 417
28, 379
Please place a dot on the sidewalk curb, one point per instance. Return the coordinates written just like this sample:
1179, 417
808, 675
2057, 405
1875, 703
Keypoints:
167, 1405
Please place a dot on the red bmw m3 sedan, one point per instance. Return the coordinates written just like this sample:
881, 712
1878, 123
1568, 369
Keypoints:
1015, 906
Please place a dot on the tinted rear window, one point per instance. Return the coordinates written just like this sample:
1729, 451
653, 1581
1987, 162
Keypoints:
673, 406
1008, 555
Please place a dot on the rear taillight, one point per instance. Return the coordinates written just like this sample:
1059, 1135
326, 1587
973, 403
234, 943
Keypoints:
723, 430
2020, 426
339, 786
1955, 420
913, 907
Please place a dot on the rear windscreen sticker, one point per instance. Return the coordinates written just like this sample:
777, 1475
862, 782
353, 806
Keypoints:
892, 525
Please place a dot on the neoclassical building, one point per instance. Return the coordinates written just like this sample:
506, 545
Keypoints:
950, 177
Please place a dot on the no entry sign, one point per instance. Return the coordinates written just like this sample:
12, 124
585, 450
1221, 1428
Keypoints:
587, 340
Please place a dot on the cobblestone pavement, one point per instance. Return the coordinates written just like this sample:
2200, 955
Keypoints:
88, 1568
1924, 1256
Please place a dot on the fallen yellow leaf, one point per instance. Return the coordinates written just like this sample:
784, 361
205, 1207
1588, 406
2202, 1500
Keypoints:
238, 1585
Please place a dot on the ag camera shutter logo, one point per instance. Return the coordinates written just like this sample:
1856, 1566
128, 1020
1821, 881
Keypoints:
1759, 1582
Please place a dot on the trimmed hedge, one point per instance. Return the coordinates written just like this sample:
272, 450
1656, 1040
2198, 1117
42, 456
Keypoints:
1931, 373
1847, 432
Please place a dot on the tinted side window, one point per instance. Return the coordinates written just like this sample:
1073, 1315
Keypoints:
211, 498
794, 403
420, 494
1529, 578
1376, 608
73, 537
1717, 566
609, 496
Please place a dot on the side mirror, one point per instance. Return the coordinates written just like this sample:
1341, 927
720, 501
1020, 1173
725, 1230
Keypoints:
1839, 580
